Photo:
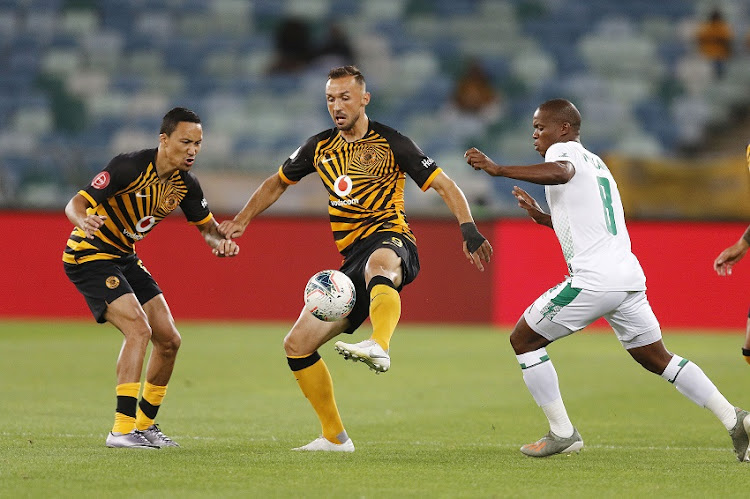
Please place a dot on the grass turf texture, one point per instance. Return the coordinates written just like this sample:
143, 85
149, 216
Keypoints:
446, 421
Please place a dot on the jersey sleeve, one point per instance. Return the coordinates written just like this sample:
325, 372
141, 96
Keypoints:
119, 173
300, 163
410, 158
194, 205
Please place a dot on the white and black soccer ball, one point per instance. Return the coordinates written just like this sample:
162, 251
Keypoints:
330, 295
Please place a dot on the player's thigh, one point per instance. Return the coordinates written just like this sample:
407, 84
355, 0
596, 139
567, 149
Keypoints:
162, 323
634, 321
127, 315
140, 279
386, 262
563, 310
309, 333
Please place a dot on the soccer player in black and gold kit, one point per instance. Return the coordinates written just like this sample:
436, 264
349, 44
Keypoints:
728, 258
121, 206
362, 165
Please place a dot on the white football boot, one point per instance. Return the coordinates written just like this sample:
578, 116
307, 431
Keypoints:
325, 445
367, 351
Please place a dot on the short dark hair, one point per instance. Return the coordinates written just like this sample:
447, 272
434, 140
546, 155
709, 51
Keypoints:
564, 111
176, 116
343, 71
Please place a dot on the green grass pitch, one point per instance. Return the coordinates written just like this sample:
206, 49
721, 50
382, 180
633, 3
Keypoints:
446, 421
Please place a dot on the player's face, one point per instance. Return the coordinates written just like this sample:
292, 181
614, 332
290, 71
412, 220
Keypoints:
547, 131
183, 145
346, 101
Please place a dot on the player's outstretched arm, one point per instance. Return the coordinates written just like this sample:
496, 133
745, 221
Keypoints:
220, 245
531, 206
733, 254
550, 173
76, 212
264, 196
475, 246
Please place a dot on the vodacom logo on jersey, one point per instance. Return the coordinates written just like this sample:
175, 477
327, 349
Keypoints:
342, 187
145, 223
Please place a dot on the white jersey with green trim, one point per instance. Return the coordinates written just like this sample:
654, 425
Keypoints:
589, 221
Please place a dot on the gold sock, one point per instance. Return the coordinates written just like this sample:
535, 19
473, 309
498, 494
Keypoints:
315, 382
149, 405
385, 311
127, 399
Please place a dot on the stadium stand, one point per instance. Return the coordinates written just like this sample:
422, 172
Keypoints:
81, 80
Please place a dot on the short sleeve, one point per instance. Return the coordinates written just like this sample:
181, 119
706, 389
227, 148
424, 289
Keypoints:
119, 173
194, 205
300, 163
410, 158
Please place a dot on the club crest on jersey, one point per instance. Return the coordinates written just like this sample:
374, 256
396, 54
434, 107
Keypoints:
112, 282
100, 181
342, 186
170, 203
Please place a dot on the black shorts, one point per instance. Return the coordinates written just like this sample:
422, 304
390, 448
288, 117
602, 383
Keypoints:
355, 262
103, 281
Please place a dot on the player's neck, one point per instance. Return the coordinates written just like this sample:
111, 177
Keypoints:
163, 169
358, 131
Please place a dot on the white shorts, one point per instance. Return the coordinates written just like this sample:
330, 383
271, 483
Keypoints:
563, 310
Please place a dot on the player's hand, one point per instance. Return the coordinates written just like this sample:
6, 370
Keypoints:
476, 247
531, 206
729, 257
480, 161
226, 247
483, 253
231, 229
91, 224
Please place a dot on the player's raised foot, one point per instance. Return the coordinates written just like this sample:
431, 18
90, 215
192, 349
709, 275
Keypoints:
367, 351
134, 440
551, 444
154, 435
741, 435
325, 445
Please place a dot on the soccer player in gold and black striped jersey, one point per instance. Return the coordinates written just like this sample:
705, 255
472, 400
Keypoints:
121, 206
728, 258
363, 166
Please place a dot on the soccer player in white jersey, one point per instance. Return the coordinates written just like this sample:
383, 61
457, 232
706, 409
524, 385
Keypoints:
605, 280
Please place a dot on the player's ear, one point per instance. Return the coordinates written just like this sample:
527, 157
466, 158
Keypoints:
365, 98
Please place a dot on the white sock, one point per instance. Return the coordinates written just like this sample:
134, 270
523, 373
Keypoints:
722, 409
689, 380
558, 419
541, 379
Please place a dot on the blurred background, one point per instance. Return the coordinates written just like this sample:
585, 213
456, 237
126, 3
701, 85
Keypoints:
663, 86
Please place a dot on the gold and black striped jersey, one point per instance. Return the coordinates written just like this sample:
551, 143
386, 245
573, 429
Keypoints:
364, 179
133, 198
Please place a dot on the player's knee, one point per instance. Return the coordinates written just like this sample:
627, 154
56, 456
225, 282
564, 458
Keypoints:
134, 325
170, 344
515, 342
291, 346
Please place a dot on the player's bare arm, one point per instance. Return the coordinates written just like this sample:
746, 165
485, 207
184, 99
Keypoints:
475, 245
549, 173
733, 254
531, 206
220, 245
76, 212
264, 196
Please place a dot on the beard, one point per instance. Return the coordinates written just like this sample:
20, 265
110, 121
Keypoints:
345, 127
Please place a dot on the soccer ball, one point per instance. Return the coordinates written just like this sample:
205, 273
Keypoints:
330, 295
